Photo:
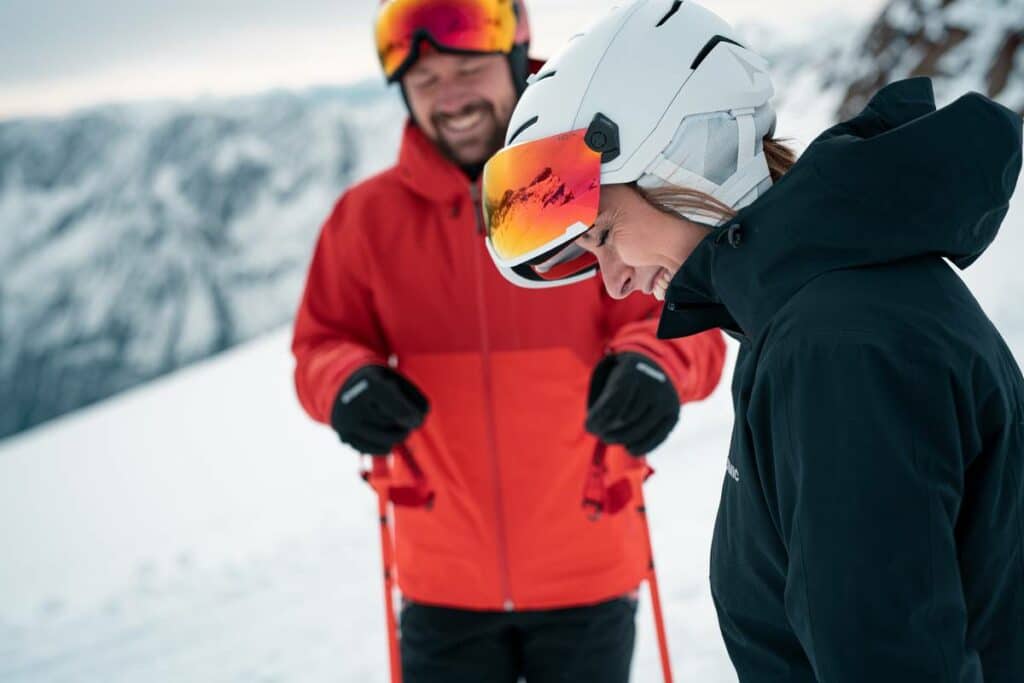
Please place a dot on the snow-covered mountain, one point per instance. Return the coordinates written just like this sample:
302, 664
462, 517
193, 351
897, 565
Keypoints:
137, 239
965, 44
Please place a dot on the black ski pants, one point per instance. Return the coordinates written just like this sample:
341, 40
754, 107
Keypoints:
591, 644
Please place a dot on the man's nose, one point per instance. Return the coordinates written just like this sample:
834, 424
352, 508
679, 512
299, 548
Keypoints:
618, 279
452, 99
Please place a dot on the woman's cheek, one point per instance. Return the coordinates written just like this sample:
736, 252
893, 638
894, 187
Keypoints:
630, 247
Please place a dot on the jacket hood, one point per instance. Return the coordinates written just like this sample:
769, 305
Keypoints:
901, 180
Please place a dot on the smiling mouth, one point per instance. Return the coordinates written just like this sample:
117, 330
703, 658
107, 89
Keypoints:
463, 123
660, 283
652, 283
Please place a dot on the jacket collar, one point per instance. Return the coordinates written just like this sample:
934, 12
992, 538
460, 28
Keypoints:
425, 171
691, 304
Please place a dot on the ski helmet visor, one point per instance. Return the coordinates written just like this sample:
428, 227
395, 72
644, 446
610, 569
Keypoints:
538, 198
460, 26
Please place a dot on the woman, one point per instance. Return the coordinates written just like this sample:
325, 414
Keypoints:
871, 524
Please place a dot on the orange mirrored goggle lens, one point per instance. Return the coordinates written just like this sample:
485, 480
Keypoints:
459, 25
539, 196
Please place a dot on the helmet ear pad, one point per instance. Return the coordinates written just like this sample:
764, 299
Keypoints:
519, 63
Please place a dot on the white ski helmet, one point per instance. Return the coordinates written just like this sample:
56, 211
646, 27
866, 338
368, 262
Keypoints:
659, 92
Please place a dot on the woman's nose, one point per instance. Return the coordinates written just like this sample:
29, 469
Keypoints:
618, 280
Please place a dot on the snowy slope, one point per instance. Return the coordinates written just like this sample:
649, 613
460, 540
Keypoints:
203, 529
198, 529
138, 239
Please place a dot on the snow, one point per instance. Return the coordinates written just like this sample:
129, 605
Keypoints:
202, 528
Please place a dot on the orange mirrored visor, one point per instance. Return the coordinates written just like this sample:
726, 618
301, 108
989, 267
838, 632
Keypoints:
457, 25
538, 197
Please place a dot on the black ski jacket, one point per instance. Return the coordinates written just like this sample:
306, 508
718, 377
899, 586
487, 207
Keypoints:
871, 525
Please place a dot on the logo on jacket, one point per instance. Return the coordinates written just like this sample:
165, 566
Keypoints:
731, 469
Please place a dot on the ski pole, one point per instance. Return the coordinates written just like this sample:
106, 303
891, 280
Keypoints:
417, 495
379, 476
652, 585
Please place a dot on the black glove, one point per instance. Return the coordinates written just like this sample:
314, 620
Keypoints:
631, 402
377, 409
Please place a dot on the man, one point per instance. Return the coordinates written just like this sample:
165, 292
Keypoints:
407, 334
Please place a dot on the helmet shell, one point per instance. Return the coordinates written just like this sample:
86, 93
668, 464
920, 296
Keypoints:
646, 66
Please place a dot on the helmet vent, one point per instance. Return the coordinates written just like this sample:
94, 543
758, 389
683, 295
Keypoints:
711, 45
522, 128
541, 77
675, 8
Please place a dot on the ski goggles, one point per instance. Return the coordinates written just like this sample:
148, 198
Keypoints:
539, 197
471, 26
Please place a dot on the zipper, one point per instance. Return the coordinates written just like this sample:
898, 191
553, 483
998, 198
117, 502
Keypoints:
492, 441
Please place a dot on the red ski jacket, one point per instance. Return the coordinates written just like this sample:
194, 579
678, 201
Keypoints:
401, 275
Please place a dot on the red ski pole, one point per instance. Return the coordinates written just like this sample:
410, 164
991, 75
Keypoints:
416, 495
652, 585
379, 478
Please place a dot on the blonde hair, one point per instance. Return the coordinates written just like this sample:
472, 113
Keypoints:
676, 200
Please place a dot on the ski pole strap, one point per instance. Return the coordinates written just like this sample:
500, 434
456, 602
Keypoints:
594, 492
600, 497
381, 478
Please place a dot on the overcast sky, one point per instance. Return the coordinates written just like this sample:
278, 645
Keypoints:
58, 55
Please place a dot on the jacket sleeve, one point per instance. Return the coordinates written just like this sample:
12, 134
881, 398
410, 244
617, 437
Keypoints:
337, 330
694, 363
867, 463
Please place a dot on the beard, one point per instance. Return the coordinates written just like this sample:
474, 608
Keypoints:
476, 150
